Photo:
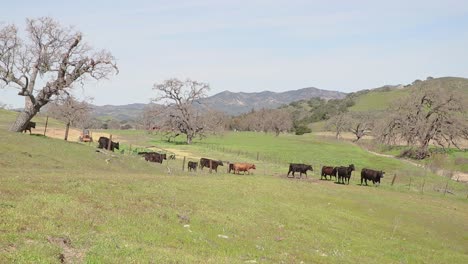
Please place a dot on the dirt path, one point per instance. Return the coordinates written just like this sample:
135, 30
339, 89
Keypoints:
73, 134
456, 175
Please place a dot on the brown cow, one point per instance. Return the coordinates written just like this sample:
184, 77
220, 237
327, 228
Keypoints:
244, 167
327, 170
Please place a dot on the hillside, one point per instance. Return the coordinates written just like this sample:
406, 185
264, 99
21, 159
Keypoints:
381, 98
228, 102
238, 103
63, 202
313, 111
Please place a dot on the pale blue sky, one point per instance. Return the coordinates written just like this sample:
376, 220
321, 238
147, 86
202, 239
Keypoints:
261, 45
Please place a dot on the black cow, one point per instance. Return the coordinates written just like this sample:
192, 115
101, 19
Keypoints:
344, 173
204, 162
371, 175
301, 168
327, 170
192, 165
104, 142
153, 156
29, 126
231, 167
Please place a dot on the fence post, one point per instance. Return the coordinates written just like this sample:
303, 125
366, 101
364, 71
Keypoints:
446, 185
210, 166
422, 187
183, 164
45, 128
257, 155
394, 178
228, 165
110, 142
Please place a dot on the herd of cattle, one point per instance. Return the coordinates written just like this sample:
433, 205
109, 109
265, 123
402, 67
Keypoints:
342, 174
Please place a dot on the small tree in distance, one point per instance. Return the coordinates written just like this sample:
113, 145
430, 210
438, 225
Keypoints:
71, 111
180, 97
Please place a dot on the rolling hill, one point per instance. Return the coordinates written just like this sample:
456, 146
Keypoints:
228, 102
238, 103
375, 100
63, 202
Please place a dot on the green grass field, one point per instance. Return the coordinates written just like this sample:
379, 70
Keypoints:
117, 208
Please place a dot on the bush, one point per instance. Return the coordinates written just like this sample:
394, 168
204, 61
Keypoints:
301, 130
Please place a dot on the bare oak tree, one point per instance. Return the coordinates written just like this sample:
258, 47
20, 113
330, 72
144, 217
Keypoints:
180, 97
360, 124
338, 124
429, 114
51, 59
71, 111
277, 121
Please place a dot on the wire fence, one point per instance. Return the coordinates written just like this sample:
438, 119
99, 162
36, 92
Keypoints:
276, 165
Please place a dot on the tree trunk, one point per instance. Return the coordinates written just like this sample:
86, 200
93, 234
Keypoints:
189, 139
23, 119
66, 131
277, 132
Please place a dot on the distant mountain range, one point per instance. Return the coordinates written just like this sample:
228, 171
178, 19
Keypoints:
238, 103
228, 102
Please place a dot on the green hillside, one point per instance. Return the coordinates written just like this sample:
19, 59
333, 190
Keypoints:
377, 100
315, 112
64, 202
381, 99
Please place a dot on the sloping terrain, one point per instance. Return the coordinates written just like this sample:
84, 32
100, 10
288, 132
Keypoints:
64, 202
228, 102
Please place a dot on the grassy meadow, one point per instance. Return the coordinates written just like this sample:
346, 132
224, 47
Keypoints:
63, 200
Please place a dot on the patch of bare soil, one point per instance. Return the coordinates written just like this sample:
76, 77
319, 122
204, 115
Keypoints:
180, 154
69, 254
73, 134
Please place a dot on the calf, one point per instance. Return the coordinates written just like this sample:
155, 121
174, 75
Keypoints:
29, 126
104, 142
192, 165
371, 175
301, 168
153, 156
344, 173
231, 167
204, 162
327, 170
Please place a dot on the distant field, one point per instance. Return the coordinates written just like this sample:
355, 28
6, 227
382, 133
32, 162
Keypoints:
117, 208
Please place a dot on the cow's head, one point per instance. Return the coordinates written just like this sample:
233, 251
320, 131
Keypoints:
309, 167
351, 167
220, 163
115, 145
32, 124
381, 174
253, 167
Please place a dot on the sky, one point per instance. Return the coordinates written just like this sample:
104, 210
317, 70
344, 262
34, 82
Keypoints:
259, 45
